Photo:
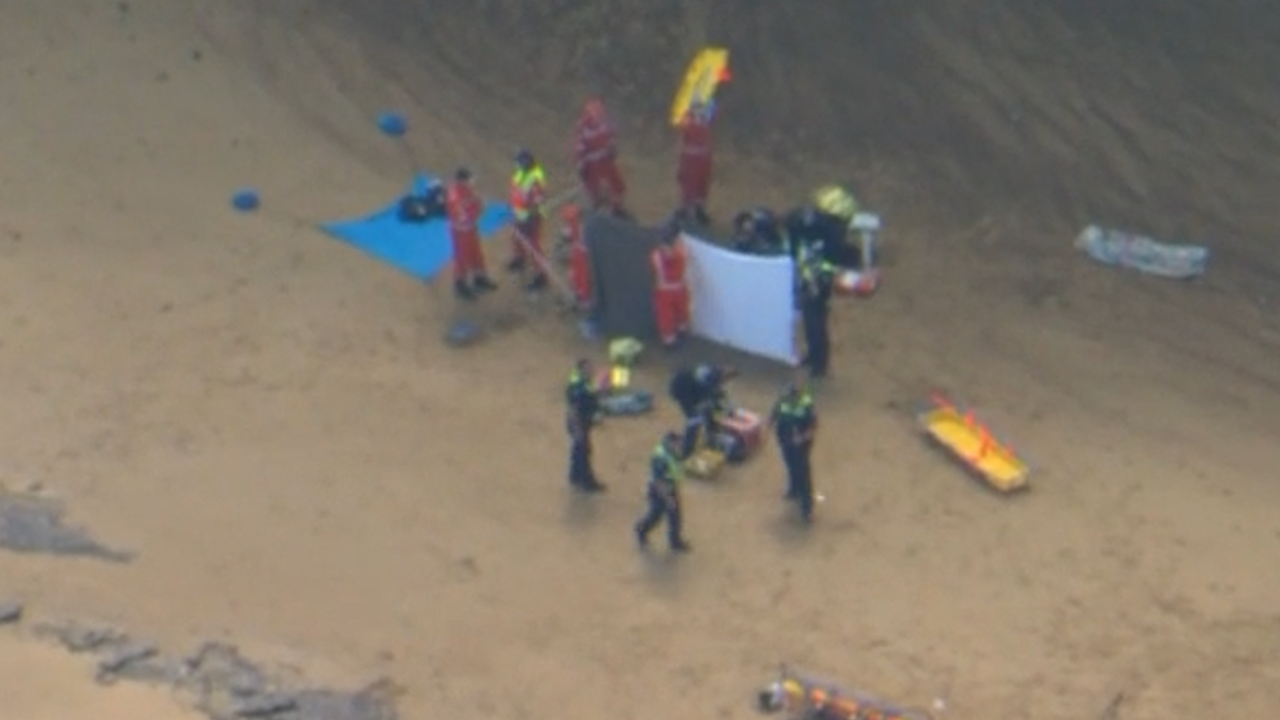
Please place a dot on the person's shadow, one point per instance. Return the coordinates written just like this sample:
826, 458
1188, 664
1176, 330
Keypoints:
581, 510
792, 531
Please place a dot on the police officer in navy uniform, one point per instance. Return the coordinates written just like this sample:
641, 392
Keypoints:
663, 493
795, 421
816, 283
583, 407
757, 232
809, 228
699, 391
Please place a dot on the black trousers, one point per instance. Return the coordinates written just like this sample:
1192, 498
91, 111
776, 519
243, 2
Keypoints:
799, 477
662, 507
815, 315
696, 420
581, 473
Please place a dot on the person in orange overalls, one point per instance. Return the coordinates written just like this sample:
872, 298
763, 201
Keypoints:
595, 150
528, 193
670, 291
463, 206
579, 259
694, 167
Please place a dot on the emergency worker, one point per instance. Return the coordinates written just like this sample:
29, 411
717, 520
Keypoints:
595, 150
579, 258
757, 232
670, 288
795, 423
583, 408
666, 473
463, 208
694, 164
700, 394
808, 228
816, 283
528, 193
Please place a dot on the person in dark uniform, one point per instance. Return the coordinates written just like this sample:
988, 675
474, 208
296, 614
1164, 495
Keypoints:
699, 391
827, 235
665, 476
583, 407
816, 283
795, 421
756, 232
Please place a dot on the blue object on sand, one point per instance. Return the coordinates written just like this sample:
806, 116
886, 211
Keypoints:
393, 124
420, 249
245, 200
463, 333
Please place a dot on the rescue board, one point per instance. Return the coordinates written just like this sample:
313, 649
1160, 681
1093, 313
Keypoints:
971, 442
709, 68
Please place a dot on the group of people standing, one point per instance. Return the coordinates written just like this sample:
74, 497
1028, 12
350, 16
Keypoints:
818, 243
699, 392
595, 155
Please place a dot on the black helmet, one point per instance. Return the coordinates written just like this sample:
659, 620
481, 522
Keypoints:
462, 174
524, 158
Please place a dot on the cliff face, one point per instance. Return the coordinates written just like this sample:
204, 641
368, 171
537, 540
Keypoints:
1158, 116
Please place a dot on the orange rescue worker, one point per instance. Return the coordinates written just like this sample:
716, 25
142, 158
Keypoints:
595, 151
579, 260
670, 291
528, 193
469, 276
694, 173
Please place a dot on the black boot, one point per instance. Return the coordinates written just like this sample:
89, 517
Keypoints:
463, 291
538, 283
642, 537
484, 284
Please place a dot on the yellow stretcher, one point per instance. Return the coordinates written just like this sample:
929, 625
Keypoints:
971, 442
709, 68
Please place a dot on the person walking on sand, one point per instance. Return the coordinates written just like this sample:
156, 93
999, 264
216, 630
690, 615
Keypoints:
663, 494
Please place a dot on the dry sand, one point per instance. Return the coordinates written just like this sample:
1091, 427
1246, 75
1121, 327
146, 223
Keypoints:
42, 682
268, 419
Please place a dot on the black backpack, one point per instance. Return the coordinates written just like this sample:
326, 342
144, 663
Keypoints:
423, 208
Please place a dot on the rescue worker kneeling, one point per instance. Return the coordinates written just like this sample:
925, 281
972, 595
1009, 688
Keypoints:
795, 422
663, 495
699, 391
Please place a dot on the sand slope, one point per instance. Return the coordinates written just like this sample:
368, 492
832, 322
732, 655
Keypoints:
268, 419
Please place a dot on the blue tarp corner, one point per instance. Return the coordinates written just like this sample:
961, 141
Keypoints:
421, 249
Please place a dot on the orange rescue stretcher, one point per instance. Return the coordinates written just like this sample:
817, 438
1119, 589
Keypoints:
802, 698
971, 441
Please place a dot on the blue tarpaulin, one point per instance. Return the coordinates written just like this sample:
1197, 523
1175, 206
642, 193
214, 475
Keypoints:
421, 249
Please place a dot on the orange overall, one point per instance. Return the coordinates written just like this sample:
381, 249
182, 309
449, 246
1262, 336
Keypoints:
464, 213
670, 292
